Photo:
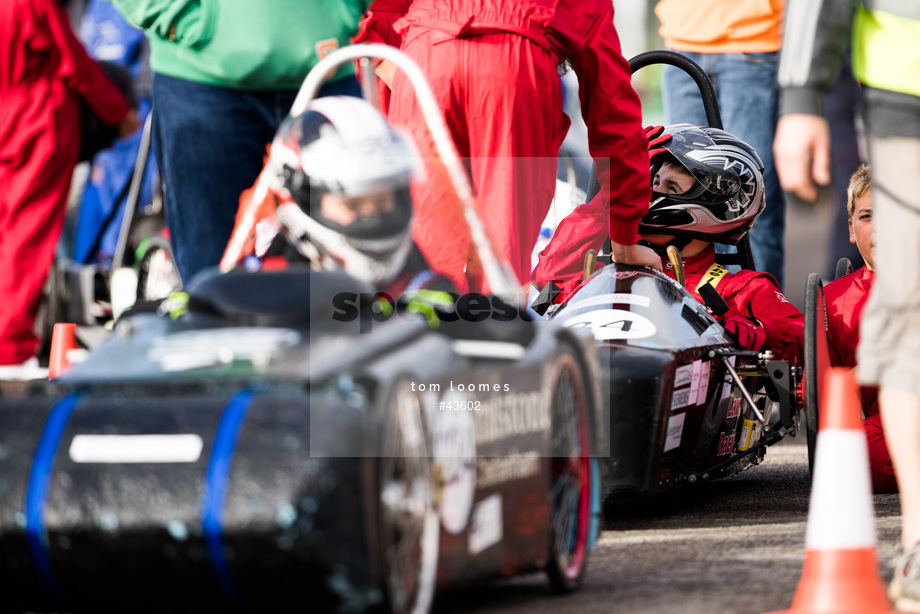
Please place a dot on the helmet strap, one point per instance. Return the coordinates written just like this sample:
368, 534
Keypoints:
662, 250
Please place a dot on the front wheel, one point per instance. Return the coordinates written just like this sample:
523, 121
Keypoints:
409, 528
570, 480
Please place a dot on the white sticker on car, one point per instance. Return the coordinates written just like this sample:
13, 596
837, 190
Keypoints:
704, 383
683, 376
606, 324
486, 529
214, 346
674, 432
680, 398
695, 381
453, 450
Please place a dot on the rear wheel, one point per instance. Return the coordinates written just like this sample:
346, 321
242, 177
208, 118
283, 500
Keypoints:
816, 360
570, 480
407, 519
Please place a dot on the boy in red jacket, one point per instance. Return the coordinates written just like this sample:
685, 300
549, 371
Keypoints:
845, 299
707, 187
44, 71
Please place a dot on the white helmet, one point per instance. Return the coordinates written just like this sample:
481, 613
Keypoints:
726, 197
342, 147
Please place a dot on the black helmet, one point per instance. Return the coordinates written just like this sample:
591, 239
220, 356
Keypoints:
727, 195
342, 146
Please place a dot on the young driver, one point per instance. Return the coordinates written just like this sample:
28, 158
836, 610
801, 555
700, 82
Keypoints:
707, 187
845, 299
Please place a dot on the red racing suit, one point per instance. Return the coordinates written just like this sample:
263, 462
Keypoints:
749, 293
845, 299
493, 68
43, 70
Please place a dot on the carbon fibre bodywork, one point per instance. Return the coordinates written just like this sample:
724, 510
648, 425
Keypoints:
255, 453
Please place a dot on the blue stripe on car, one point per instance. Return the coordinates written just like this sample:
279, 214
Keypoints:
214, 493
37, 489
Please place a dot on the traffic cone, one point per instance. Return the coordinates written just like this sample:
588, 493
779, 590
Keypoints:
63, 339
840, 574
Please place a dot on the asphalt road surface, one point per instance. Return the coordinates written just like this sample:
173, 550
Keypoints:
734, 546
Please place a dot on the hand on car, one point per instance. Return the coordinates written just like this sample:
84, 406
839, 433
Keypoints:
638, 255
747, 333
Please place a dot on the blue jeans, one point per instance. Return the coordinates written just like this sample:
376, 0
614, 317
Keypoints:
747, 92
210, 144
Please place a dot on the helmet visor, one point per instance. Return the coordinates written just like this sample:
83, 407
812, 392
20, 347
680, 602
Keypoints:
700, 156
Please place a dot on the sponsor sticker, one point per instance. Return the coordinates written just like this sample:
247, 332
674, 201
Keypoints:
501, 469
726, 443
734, 408
683, 376
486, 528
674, 432
695, 381
704, 382
681, 398
453, 450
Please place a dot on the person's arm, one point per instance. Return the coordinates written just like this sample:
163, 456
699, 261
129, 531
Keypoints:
81, 73
616, 139
563, 258
815, 39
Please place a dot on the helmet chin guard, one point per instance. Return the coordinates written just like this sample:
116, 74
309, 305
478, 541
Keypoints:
727, 194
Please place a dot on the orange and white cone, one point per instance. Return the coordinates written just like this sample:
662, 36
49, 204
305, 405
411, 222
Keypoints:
63, 340
841, 573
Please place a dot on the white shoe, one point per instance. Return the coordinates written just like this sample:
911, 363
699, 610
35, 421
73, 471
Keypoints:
27, 370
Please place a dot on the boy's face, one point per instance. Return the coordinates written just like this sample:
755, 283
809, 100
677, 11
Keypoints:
861, 232
346, 211
672, 179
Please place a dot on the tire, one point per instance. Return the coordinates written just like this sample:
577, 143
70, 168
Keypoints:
844, 268
157, 275
571, 477
407, 516
815, 354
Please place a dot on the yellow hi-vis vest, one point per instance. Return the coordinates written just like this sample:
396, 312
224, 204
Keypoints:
886, 45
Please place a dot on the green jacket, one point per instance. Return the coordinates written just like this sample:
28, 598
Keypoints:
244, 44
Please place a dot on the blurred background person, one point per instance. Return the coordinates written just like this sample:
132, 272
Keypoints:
494, 69
736, 42
886, 62
44, 74
221, 87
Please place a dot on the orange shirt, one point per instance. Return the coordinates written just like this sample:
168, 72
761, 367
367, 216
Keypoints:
721, 26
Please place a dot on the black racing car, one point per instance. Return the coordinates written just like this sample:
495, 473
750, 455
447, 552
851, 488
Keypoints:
245, 450
683, 405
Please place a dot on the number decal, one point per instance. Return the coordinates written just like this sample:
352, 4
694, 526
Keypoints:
613, 324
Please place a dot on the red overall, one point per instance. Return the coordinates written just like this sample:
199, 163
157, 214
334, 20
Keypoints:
377, 27
845, 299
43, 69
492, 66
751, 292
